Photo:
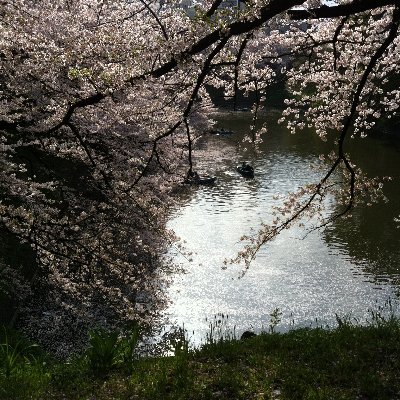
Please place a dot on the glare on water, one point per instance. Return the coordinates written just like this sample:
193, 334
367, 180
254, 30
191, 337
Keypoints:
310, 279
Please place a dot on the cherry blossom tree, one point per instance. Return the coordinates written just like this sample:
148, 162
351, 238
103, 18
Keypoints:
342, 83
101, 103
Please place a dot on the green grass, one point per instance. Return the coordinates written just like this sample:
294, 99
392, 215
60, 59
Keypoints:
350, 362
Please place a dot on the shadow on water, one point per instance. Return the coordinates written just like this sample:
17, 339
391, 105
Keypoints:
334, 271
371, 237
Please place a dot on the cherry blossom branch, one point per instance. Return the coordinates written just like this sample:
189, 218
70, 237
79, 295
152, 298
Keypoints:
335, 39
162, 27
341, 10
76, 133
236, 66
189, 141
306, 48
265, 236
200, 79
356, 100
274, 8
213, 8
267, 12
88, 101
275, 231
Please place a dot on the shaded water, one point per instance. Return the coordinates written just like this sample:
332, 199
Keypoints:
348, 268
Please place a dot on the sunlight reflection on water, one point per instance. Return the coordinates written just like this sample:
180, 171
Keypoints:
307, 280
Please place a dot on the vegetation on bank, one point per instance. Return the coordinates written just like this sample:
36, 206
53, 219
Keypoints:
349, 362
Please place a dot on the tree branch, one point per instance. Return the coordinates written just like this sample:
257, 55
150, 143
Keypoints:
76, 133
236, 28
342, 10
272, 233
213, 8
274, 8
162, 27
335, 40
237, 63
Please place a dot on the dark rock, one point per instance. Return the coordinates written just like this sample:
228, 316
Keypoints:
247, 335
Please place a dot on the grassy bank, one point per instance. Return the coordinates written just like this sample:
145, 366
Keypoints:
350, 362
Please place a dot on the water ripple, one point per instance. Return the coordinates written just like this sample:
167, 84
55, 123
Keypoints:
308, 280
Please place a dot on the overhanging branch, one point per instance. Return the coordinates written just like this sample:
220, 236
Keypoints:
342, 10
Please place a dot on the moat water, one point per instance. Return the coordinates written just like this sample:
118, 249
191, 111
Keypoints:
347, 269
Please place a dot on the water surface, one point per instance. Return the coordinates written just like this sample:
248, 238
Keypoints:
347, 269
